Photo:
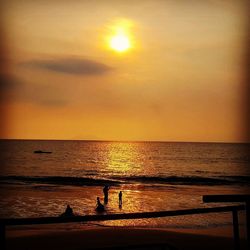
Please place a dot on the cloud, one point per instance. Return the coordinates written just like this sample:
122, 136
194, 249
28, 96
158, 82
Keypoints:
14, 89
8, 82
70, 66
9, 86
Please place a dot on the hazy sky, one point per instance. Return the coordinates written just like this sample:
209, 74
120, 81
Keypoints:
182, 79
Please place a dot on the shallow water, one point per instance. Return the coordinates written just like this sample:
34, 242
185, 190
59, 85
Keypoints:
152, 176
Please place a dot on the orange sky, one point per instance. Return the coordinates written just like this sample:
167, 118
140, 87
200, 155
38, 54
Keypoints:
182, 80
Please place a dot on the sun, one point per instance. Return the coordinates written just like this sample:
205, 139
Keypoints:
120, 43
119, 35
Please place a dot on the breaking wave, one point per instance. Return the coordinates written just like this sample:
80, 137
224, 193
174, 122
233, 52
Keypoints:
118, 180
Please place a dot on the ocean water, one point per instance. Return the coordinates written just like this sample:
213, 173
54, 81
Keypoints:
153, 176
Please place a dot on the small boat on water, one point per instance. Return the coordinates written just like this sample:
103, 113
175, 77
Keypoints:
42, 152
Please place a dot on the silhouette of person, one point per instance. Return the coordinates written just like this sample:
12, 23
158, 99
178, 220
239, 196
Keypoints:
68, 212
120, 199
106, 194
99, 206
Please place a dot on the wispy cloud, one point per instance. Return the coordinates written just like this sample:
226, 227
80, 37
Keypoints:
8, 82
70, 66
14, 89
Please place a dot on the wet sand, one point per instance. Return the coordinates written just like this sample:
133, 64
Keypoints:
118, 237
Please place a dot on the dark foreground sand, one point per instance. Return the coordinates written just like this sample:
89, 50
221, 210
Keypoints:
115, 238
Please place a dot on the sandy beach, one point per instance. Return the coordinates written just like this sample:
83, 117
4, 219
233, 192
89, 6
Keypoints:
118, 237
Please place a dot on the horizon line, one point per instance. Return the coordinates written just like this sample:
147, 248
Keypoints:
135, 141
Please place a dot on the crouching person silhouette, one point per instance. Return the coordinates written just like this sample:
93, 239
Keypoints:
99, 206
68, 212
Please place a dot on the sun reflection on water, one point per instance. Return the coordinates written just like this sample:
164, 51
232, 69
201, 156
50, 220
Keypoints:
123, 158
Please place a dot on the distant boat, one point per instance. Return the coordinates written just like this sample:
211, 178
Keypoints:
42, 152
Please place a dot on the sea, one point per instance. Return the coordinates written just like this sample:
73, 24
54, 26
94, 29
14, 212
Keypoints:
153, 176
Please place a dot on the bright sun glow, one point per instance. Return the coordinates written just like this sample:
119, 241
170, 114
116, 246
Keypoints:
120, 35
120, 42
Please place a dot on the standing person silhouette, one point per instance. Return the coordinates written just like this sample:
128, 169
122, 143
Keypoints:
106, 194
120, 199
